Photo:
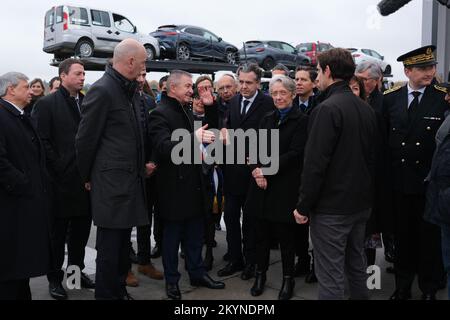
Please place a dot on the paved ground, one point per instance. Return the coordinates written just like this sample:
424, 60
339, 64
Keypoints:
236, 289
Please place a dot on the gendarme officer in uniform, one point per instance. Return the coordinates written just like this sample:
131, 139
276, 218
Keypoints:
413, 113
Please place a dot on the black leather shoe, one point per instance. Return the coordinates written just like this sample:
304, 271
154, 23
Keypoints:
249, 272
401, 295
226, 256
156, 252
230, 268
218, 227
57, 291
207, 282
287, 289
173, 291
258, 286
86, 282
428, 297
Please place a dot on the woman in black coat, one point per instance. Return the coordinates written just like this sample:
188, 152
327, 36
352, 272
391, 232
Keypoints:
273, 197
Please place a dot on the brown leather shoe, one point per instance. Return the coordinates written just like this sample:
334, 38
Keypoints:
150, 271
132, 281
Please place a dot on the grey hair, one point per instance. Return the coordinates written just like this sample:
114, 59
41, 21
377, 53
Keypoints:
374, 68
232, 77
175, 77
281, 67
251, 67
287, 82
10, 79
228, 75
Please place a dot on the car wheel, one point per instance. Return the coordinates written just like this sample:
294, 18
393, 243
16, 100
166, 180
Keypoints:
231, 57
84, 49
183, 52
150, 52
268, 64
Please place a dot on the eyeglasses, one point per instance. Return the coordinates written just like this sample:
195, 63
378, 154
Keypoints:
281, 93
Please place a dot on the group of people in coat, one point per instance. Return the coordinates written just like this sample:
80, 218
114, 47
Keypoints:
326, 177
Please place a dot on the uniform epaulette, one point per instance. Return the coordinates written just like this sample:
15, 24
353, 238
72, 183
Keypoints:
392, 90
442, 89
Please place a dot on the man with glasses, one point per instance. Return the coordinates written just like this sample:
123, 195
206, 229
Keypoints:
370, 72
227, 89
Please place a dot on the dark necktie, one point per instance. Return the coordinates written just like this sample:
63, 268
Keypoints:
414, 104
244, 109
77, 102
303, 107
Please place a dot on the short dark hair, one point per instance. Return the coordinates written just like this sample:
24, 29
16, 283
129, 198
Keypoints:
340, 61
251, 67
312, 72
52, 81
162, 80
64, 67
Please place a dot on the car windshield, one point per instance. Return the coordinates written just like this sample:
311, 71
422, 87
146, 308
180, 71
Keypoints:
123, 24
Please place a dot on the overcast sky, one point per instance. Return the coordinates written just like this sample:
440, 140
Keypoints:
345, 23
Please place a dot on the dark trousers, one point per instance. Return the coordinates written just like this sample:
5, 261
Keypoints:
113, 263
15, 290
302, 242
144, 232
76, 231
210, 228
233, 206
417, 245
285, 234
189, 234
